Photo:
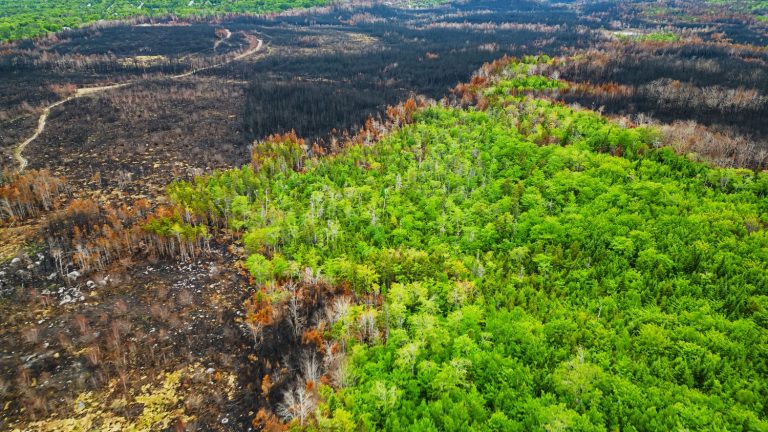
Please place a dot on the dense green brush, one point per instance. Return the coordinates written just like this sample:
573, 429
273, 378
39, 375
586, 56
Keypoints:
532, 280
26, 18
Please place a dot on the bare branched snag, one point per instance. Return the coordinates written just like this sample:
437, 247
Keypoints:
298, 403
296, 316
260, 314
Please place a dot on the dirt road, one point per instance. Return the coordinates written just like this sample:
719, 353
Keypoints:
18, 152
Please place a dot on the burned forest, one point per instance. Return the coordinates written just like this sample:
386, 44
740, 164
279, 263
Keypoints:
397, 215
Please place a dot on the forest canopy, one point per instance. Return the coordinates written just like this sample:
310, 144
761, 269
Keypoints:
518, 265
21, 19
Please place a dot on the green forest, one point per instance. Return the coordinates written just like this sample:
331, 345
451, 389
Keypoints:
23, 19
521, 266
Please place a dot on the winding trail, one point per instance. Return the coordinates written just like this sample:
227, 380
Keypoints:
233, 59
87, 91
227, 35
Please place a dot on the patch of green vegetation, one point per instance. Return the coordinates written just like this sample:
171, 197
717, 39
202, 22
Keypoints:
173, 226
524, 76
656, 11
659, 37
754, 6
29, 18
33, 248
527, 83
663, 15
651, 37
538, 267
